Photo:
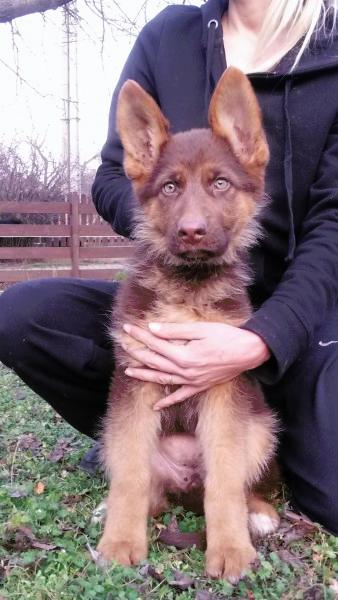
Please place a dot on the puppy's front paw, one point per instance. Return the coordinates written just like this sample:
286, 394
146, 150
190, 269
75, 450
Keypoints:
229, 562
124, 552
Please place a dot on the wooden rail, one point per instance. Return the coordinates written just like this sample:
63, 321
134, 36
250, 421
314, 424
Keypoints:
77, 242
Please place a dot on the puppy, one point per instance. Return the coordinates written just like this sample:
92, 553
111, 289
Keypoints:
199, 194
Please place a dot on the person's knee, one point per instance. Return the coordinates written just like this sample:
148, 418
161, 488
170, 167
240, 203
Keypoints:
16, 320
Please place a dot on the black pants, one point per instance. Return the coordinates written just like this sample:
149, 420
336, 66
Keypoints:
53, 333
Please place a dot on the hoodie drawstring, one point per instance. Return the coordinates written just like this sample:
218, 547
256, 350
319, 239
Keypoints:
288, 175
213, 25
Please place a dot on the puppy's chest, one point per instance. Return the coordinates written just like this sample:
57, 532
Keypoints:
224, 311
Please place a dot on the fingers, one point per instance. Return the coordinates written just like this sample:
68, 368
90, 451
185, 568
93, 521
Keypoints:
180, 331
155, 376
153, 360
177, 354
183, 393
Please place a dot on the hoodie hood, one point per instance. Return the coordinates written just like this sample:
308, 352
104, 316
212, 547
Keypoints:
321, 54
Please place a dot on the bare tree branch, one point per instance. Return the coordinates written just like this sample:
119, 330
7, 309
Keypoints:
12, 9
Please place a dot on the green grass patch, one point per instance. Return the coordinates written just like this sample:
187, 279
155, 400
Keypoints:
46, 506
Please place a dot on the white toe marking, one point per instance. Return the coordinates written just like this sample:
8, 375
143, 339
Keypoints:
233, 579
262, 524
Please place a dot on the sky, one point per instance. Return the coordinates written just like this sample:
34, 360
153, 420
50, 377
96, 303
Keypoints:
33, 73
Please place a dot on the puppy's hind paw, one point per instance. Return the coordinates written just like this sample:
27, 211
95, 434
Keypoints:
261, 524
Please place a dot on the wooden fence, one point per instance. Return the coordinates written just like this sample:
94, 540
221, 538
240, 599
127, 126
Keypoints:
76, 243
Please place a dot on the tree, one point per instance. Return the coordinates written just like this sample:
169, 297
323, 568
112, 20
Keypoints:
12, 9
36, 177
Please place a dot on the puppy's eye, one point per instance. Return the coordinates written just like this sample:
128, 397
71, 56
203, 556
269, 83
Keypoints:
169, 187
222, 184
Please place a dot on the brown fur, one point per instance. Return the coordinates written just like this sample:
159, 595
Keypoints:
228, 432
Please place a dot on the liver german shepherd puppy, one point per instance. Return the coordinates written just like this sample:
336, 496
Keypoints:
199, 194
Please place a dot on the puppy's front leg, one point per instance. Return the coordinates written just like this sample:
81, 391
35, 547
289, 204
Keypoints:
130, 435
222, 431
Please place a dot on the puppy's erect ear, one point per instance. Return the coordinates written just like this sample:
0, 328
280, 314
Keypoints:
234, 115
142, 128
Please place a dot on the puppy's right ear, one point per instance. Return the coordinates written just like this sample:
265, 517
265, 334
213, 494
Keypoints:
142, 128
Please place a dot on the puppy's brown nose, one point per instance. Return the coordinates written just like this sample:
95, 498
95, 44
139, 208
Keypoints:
191, 232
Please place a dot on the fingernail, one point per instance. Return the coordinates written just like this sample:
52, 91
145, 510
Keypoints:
124, 346
154, 326
126, 328
129, 372
156, 407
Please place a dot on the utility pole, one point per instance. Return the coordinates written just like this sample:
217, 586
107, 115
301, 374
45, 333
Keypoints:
71, 110
71, 145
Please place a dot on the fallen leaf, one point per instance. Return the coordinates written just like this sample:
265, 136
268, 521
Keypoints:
204, 595
182, 581
3, 574
293, 535
39, 488
28, 441
316, 592
298, 518
94, 554
172, 536
295, 527
63, 526
40, 545
22, 538
62, 448
150, 571
19, 493
290, 558
72, 499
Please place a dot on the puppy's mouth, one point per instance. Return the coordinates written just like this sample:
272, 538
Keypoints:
198, 255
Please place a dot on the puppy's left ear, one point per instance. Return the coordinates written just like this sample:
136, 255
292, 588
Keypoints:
142, 128
234, 115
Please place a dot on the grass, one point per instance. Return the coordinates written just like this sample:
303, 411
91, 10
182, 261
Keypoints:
46, 528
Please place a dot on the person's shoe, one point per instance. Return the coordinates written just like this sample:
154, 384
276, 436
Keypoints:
91, 462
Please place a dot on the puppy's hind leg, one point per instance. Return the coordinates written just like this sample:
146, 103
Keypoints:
263, 518
130, 435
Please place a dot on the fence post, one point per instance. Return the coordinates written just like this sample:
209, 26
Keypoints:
75, 234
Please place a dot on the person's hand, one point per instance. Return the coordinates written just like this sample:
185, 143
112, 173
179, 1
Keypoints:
212, 353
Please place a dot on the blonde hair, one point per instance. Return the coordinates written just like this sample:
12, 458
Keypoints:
289, 21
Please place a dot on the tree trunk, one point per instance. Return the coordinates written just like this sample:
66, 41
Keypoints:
12, 9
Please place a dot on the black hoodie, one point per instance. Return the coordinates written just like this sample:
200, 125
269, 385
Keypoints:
178, 58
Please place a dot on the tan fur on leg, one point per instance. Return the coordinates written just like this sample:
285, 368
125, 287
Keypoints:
130, 436
223, 437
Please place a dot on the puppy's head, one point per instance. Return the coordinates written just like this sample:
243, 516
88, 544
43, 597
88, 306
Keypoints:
199, 190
